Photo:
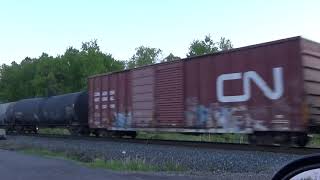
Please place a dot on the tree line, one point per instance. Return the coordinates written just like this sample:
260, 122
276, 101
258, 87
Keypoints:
48, 75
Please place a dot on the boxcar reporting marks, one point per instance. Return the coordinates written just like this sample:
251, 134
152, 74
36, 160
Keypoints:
247, 77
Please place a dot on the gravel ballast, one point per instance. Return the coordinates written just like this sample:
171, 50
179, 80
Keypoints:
221, 163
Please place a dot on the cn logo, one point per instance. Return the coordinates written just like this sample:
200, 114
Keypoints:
248, 78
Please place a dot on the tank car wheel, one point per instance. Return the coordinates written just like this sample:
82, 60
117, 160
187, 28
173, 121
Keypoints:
11, 130
8, 130
20, 130
74, 131
35, 130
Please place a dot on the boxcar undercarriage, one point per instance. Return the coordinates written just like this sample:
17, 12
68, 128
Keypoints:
255, 138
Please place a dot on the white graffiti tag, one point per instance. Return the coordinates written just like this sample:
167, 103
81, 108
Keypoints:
247, 77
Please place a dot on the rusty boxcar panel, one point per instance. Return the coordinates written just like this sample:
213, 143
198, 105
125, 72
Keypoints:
263, 87
110, 101
119, 100
311, 69
246, 89
102, 102
112, 94
169, 95
143, 97
94, 87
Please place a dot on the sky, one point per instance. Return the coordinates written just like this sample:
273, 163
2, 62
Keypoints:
30, 27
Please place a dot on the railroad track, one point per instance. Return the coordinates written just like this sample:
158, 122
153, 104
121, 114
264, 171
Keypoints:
191, 144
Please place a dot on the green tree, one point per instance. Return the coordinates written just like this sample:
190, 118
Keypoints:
225, 44
170, 57
207, 46
47, 75
144, 56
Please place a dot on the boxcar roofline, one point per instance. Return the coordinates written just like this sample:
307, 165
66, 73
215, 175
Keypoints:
212, 54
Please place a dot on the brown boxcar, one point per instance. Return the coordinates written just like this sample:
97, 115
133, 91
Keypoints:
269, 87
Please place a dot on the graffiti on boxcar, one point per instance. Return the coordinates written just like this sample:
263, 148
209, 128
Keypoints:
235, 118
122, 119
229, 118
109, 105
247, 77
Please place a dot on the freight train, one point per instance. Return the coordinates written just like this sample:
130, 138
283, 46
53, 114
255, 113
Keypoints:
269, 91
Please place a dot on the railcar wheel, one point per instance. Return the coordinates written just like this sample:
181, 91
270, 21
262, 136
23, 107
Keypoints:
132, 134
102, 133
301, 140
8, 130
35, 130
97, 133
252, 138
260, 139
117, 134
85, 132
282, 139
74, 131
20, 130
269, 138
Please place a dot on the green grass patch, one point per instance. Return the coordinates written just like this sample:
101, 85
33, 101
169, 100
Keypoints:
61, 131
223, 138
120, 165
133, 165
314, 140
127, 164
226, 138
43, 152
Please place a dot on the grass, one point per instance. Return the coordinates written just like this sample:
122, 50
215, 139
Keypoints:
314, 140
127, 164
227, 138
42, 152
61, 131
133, 165
223, 138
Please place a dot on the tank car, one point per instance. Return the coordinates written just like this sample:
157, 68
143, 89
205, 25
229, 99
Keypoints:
3, 110
68, 110
24, 115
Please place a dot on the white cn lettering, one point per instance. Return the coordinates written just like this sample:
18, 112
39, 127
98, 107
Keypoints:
247, 77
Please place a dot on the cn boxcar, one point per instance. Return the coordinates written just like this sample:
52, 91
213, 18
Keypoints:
265, 90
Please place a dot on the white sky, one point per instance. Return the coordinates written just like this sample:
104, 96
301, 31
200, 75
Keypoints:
31, 27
